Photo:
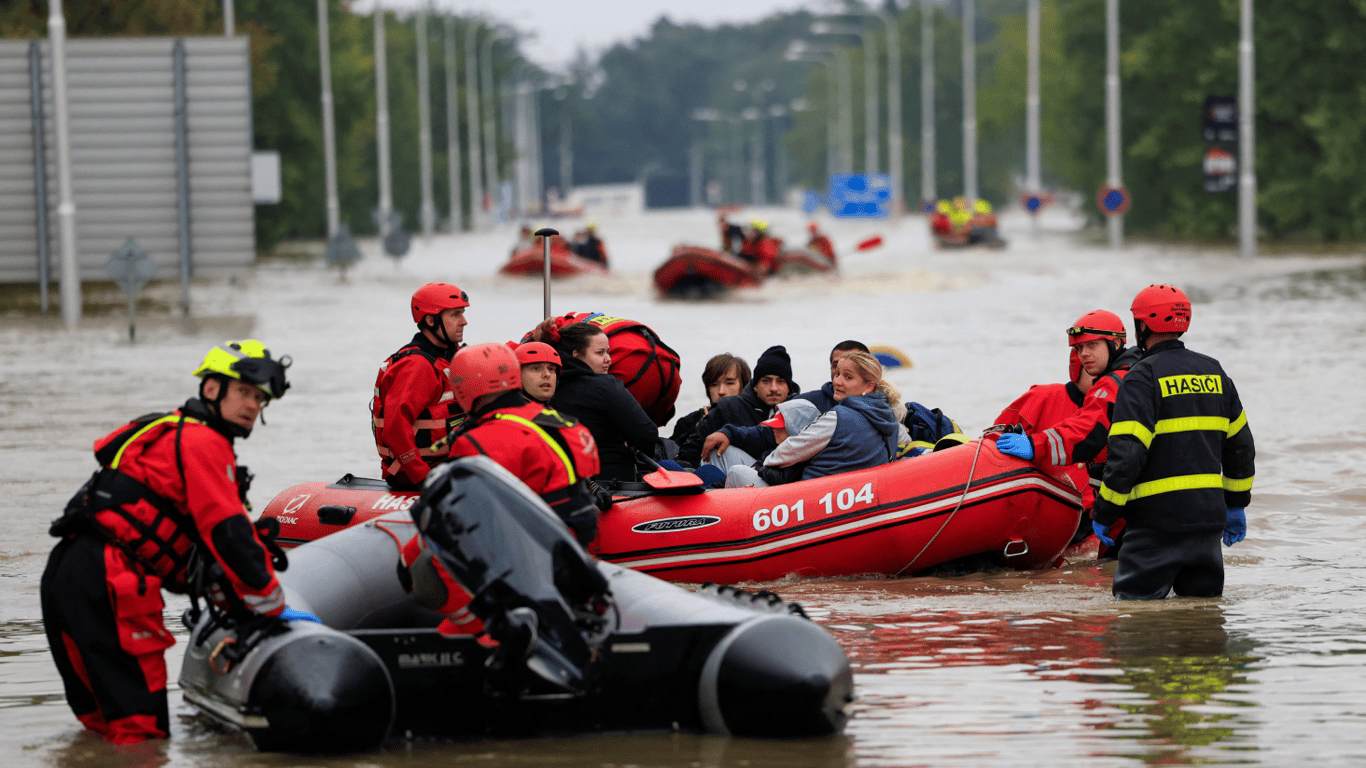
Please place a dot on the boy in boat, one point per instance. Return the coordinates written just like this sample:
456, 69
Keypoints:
1069, 424
166, 504
772, 384
724, 375
412, 407
1181, 460
549, 451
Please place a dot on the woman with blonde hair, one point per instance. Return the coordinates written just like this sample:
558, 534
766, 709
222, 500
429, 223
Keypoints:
858, 433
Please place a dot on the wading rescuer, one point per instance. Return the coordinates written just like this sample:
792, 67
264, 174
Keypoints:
1181, 460
1069, 423
412, 407
165, 507
551, 452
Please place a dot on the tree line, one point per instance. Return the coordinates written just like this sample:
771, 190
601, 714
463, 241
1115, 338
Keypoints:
631, 112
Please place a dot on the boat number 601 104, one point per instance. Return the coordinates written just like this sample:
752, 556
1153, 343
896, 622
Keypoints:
844, 500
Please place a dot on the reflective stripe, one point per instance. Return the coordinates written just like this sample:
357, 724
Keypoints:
265, 604
1132, 429
1231, 484
1172, 426
430, 424
1055, 447
1237, 424
1168, 485
163, 420
554, 446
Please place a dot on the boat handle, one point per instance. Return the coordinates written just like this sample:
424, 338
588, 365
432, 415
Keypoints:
335, 514
1009, 550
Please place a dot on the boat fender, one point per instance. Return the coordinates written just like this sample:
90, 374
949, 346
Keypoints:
746, 689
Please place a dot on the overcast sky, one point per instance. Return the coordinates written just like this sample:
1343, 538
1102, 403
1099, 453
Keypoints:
562, 27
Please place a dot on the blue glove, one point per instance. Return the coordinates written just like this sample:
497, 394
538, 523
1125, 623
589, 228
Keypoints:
1101, 531
289, 614
1235, 526
1012, 444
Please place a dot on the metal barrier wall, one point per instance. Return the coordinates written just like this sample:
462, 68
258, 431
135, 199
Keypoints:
160, 148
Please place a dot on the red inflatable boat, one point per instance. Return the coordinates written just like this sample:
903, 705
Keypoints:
801, 261
696, 272
529, 261
898, 519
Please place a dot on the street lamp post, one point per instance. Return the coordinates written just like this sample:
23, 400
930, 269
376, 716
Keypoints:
927, 137
452, 132
424, 134
386, 196
970, 101
1114, 176
329, 129
472, 123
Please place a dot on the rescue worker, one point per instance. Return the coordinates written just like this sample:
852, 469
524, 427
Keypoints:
412, 407
759, 249
540, 370
732, 236
1180, 465
1068, 424
551, 452
820, 243
941, 221
960, 216
167, 501
588, 245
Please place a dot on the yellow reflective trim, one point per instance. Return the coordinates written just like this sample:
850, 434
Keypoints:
1237, 424
164, 419
1133, 429
550, 441
1191, 424
1230, 484
1118, 499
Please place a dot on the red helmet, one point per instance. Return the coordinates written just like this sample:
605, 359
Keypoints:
483, 369
433, 298
1096, 324
1163, 308
538, 352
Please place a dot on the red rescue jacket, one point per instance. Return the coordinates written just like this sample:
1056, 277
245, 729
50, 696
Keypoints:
184, 493
411, 410
1041, 407
550, 452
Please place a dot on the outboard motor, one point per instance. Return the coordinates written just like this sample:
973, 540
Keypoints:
538, 592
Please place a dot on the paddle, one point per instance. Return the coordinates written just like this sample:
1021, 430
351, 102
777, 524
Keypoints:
665, 479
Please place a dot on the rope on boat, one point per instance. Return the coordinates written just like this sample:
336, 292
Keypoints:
963, 496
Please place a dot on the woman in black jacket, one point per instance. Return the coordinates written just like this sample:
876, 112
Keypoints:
600, 401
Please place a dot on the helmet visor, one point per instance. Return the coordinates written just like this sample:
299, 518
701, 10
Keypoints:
265, 373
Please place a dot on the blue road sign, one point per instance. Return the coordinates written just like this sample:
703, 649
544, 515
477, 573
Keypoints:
860, 195
1112, 201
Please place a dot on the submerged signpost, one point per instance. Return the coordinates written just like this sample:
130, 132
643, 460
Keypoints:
131, 268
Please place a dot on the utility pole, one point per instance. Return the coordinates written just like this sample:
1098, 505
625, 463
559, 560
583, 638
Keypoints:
386, 195
424, 131
66, 205
927, 138
1033, 180
1247, 155
472, 123
329, 122
970, 101
1114, 177
453, 133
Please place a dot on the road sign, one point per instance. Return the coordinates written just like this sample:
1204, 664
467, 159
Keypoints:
131, 268
1112, 201
1221, 118
1035, 202
860, 195
1220, 169
341, 248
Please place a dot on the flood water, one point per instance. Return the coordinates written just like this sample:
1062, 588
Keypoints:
988, 669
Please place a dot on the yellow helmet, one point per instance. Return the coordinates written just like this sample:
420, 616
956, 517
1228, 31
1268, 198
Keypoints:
759, 224
981, 206
247, 360
944, 206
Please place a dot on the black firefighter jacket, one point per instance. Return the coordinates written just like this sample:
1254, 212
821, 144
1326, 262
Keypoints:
1181, 452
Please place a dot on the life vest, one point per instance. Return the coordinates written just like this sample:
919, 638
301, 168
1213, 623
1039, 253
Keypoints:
648, 367
565, 458
122, 510
433, 422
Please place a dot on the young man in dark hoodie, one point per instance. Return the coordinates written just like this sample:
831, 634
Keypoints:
772, 384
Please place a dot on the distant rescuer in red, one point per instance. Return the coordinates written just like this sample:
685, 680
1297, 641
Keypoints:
412, 407
167, 501
1180, 465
